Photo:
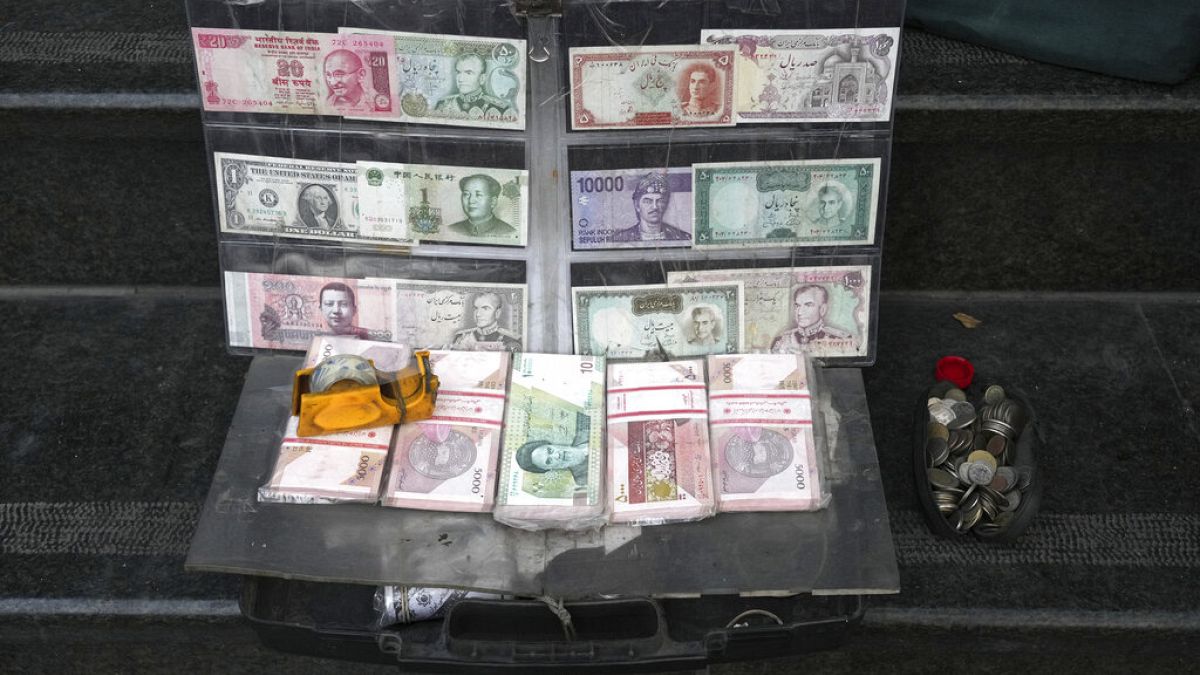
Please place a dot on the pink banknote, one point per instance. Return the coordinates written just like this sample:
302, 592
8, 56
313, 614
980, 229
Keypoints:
284, 311
448, 462
295, 73
660, 469
760, 417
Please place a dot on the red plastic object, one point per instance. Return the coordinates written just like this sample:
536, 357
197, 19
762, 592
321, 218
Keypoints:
955, 369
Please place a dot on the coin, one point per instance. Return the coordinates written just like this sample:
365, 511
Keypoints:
988, 504
993, 394
1013, 501
941, 478
996, 445
963, 473
1009, 475
980, 473
984, 457
936, 451
940, 411
964, 415
999, 482
972, 516
937, 430
955, 394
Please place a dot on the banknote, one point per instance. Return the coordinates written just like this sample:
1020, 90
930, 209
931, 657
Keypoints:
295, 73
806, 202
296, 198
385, 356
458, 80
835, 75
448, 462
459, 204
631, 208
821, 311
342, 467
657, 321
659, 464
456, 315
285, 311
552, 458
651, 86
760, 417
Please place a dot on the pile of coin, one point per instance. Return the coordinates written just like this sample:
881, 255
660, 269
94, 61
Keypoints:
970, 459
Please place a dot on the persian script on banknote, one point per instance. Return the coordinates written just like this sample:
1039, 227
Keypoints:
760, 418
457, 315
835, 75
631, 208
651, 86
658, 321
263, 71
820, 311
658, 456
431, 203
448, 462
458, 80
285, 311
807, 202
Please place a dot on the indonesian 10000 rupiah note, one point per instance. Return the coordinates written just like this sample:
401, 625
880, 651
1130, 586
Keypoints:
807, 202
262, 71
839, 75
820, 311
631, 208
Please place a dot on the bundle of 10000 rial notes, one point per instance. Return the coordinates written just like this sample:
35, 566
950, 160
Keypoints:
761, 421
659, 464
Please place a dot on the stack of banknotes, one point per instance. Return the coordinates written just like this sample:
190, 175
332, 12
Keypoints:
552, 461
342, 467
660, 469
448, 462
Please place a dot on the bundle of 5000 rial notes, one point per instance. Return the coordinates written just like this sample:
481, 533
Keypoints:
660, 469
761, 424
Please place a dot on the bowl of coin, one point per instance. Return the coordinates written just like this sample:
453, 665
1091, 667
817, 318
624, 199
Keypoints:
974, 462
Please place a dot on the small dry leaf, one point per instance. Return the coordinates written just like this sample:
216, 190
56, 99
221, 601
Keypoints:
967, 320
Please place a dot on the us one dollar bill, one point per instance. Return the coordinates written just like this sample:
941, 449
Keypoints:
807, 202
659, 464
295, 198
263, 71
458, 80
285, 311
456, 315
820, 311
458, 204
651, 86
631, 208
552, 461
448, 462
657, 321
812, 75
760, 417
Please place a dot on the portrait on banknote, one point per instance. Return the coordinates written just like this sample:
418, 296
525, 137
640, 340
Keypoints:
699, 91
542, 456
487, 309
470, 97
317, 209
704, 327
343, 71
340, 309
480, 193
810, 308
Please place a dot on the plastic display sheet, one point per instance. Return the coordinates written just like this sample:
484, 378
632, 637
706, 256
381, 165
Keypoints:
843, 549
547, 148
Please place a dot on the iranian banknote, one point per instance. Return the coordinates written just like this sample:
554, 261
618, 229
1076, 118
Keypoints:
448, 462
822, 311
295, 73
807, 202
459, 204
651, 86
660, 469
296, 198
760, 417
552, 458
812, 75
458, 80
459, 316
658, 321
631, 208
285, 311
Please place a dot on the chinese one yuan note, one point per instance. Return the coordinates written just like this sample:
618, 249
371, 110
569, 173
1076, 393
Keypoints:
295, 73
839, 75
448, 462
651, 86
760, 420
660, 469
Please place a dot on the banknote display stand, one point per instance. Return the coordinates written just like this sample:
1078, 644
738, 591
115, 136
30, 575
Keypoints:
736, 586
547, 148
311, 570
